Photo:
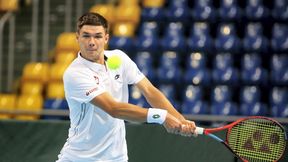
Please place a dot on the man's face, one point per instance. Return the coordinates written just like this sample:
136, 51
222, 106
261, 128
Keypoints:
92, 40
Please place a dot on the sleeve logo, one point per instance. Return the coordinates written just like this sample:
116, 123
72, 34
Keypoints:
156, 116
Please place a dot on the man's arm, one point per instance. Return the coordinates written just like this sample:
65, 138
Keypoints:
157, 99
130, 112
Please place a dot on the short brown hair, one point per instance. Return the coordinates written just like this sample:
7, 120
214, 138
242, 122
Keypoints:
92, 19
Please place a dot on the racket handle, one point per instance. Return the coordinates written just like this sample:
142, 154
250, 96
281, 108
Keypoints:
199, 130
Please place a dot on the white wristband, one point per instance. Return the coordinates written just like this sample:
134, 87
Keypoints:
156, 115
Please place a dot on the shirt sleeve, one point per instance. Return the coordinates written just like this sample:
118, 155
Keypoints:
81, 86
131, 72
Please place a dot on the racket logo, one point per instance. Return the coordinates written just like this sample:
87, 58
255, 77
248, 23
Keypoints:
156, 116
263, 143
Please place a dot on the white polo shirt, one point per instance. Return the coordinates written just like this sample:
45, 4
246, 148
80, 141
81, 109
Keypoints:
95, 136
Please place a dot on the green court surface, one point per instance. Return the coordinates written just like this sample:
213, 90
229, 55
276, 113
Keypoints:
41, 141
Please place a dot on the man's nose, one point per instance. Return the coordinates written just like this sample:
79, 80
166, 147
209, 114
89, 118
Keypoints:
91, 42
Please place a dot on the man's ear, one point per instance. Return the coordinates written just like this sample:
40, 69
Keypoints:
77, 36
106, 38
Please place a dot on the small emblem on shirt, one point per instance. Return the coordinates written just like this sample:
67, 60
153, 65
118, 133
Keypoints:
96, 79
91, 91
117, 76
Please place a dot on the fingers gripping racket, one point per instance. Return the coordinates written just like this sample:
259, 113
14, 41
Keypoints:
252, 139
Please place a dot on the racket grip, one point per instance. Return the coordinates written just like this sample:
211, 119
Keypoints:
199, 130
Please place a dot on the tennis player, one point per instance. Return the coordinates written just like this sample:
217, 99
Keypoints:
98, 99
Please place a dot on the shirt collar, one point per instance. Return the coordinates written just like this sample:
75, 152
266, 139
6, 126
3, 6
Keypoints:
92, 65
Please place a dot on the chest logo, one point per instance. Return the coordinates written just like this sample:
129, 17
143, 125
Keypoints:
117, 76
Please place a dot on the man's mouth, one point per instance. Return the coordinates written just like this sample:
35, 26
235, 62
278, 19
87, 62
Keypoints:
91, 50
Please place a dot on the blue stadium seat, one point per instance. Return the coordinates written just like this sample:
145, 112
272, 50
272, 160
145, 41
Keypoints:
124, 43
250, 94
169, 74
254, 109
144, 61
254, 40
279, 39
223, 71
229, 10
196, 60
280, 111
250, 100
280, 10
199, 38
153, 14
203, 10
200, 76
221, 101
170, 91
221, 94
252, 71
196, 71
135, 97
193, 102
145, 43
149, 28
279, 102
169, 70
55, 104
279, 96
224, 108
192, 93
173, 38
174, 29
226, 39
177, 3
148, 37
255, 10
197, 107
178, 11
279, 69
169, 58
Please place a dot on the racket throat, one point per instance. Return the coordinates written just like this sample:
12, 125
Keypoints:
235, 154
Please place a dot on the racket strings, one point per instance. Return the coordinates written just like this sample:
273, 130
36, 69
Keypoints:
257, 140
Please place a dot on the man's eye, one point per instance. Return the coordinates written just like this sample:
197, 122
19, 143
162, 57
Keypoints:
98, 36
85, 36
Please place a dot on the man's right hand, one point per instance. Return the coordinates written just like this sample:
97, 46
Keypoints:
172, 124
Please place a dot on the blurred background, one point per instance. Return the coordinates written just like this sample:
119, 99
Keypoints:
211, 58
216, 60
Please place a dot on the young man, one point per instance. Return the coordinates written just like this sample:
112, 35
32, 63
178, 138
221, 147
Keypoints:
98, 99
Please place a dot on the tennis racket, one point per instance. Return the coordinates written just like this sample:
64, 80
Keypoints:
252, 139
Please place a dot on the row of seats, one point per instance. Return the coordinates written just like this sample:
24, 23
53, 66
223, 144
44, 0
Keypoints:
125, 11
209, 10
194, 100
184, 10
44, 78
175, 36
195, 69
221, 100
202, 69
27, 102
41, 86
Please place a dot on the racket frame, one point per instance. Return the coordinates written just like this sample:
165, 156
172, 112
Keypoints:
228, 127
